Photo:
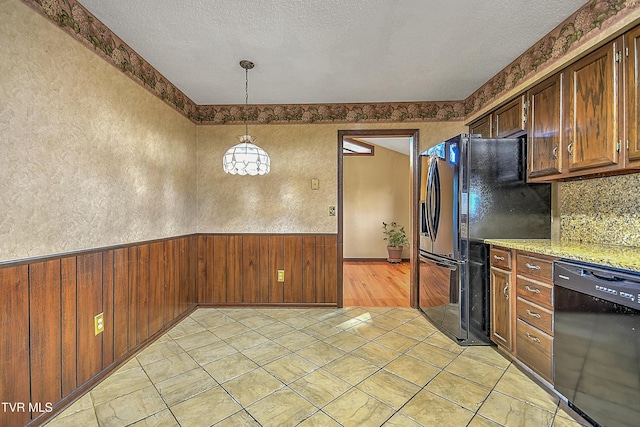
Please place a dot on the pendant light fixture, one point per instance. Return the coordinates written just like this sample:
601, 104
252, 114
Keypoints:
246, 158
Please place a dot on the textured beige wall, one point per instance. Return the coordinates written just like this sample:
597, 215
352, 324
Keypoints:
88, 157
376, 188
601, 210
282, 201
279, 202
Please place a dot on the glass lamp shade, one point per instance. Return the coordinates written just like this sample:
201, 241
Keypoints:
246, 158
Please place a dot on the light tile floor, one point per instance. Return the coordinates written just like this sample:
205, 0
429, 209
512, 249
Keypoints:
314, 367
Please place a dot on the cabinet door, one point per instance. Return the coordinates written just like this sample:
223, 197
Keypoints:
592, 110
544, 140
501, 307
633, 97
510, 119
481, 126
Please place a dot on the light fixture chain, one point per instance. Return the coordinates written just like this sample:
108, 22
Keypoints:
246, 101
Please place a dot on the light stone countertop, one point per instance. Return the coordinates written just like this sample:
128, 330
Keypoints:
624, 257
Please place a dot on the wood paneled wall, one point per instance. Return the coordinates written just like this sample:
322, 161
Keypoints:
241, 269
49, 352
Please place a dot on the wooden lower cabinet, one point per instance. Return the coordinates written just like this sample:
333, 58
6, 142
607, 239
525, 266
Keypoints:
501, 307
522, 308
534, 348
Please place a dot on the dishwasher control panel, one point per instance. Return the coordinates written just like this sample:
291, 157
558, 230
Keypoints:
618, 286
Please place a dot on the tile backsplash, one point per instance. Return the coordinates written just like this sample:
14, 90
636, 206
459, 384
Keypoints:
601, 210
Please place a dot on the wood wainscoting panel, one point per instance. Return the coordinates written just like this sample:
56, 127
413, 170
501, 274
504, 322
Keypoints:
50, 353
14, 336
309, 284
120, 302
293, 268
107, 307
89, 282
243, 269
142, 300
44, 331
157, 286
330, 269
187, 269
250, 261
275, 262
132, 263
171, 279
69, 324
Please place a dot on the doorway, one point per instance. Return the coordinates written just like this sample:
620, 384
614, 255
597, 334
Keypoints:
412, 136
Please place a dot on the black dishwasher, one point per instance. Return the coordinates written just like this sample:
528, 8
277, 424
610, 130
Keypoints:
596, 353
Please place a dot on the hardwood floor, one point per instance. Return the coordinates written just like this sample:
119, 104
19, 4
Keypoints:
376, 284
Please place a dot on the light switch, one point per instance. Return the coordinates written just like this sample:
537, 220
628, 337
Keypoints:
315, 184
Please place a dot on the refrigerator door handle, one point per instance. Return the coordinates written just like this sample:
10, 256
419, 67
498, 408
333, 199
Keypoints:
427, 203
436, 189
451, 267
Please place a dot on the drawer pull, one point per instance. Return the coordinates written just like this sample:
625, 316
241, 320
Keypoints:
505, 290
532, 338
499, 258
535, 291
532, 314
532, 266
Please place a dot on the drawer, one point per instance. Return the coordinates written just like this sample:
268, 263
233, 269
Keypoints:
534, 347
501, 258
535, 315
539, 268
536, 292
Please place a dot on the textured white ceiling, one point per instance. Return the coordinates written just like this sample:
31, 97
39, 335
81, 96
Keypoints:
330, 51
401, 145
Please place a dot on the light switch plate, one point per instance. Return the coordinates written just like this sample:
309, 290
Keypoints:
315, 184
280, 275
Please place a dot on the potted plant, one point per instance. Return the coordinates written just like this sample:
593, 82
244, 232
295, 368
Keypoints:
396, 238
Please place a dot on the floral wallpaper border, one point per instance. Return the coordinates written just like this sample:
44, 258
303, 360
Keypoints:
581, 27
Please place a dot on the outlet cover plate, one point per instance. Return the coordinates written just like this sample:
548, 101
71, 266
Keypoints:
98, 323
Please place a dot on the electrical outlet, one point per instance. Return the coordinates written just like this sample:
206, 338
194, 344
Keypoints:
332, 211
98, 322
315, 184
280, 275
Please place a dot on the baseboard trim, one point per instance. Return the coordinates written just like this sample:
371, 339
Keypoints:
370, 259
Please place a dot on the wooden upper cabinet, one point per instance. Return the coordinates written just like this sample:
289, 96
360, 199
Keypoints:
591, 110
510, 119
482, 126
633, 97
545, 151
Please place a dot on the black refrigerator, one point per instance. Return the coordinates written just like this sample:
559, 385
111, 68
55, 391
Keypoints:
472, 189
